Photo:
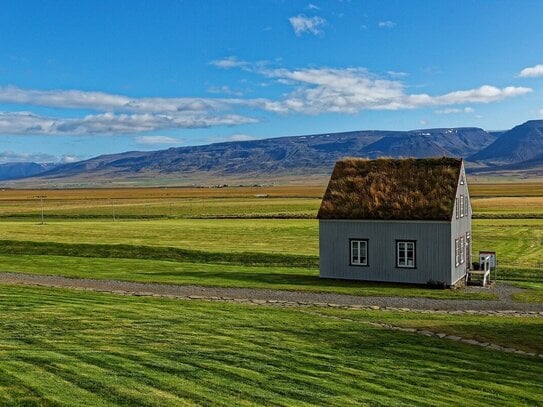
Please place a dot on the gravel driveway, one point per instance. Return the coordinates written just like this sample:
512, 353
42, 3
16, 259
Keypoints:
503, 291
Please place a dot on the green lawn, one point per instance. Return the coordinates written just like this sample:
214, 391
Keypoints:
525, 334
215, 275
294, 236
284, 244
62, 347
517, 241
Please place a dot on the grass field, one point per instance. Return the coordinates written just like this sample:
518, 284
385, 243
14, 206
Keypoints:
214, 275
521, 207
162, 202
488, 200
60, 347
67, 347
517, 241
264, 253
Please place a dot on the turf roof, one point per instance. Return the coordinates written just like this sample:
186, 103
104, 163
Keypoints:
395, 189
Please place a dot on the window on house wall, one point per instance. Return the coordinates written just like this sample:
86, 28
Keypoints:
405, 254
466, 205
462, 202
462, 180
457, 208
468, 247
456, 253
359, 252
462, 250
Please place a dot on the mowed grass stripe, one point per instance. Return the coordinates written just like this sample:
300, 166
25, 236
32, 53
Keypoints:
154, 253
150, 351
275, 236
518, 242
525, 334
131, 384
215, 275
45, 383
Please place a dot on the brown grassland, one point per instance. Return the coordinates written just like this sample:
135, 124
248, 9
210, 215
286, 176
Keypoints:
162, 192
488, 200
501, 189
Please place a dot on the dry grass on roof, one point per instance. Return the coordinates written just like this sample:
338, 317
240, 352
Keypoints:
402, 189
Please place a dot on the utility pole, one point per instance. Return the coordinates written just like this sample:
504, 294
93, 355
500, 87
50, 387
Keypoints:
41, 204
113, 210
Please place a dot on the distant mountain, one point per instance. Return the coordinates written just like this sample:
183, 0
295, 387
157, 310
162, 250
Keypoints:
522, 143
22, 170
296, 155
405, 146
296, 158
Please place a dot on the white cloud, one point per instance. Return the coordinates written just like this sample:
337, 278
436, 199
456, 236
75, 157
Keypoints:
532, 71
13, 157
226, 90
540, 113
351, 90
449, 110
311, 91
483, 94
386, 24
454, 110
307, 25
159, 140
311, 6
100, 101
240, 137
21, 123
395, 74
116, 113
66, 159
423, 122
229, 63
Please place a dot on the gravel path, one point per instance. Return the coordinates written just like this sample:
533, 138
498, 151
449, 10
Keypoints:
288, 298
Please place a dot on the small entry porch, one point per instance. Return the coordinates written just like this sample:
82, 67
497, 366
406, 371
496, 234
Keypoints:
480, 272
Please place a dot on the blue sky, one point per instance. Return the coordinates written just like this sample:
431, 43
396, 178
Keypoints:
79, 79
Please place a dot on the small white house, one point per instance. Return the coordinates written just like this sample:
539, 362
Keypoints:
396, 220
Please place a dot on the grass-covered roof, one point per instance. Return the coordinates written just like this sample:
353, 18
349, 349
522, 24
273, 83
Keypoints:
396, 189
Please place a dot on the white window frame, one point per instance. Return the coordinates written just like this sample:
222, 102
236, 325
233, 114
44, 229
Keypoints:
457, 208
462, 204
402, 250
357, 245
466, 205
456, 252
462, 250
468, 248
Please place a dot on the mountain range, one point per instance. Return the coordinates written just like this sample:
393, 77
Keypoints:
518, 151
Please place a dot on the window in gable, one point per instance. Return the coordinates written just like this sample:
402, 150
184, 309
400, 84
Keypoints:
457, 209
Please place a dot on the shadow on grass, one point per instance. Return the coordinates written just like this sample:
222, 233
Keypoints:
293, 281
124, 251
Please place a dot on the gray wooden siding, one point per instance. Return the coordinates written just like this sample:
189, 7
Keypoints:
433, 254
459, 227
